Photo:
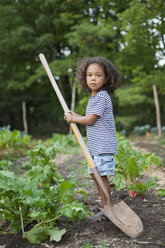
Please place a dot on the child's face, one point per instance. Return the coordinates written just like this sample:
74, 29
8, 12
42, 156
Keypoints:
95, 78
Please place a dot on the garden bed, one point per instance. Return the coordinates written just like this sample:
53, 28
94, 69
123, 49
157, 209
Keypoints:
87, 234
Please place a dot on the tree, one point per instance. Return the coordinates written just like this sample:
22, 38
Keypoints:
28, 28
129, 33
142, 47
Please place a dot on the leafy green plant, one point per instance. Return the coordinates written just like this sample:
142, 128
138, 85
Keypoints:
88, 245
146, 128
13, 143
13, 139
141, 129
41, 197
5, 164
141, 188
130, 164
103, 245
119, 181
62, 142
161, 192
26, 165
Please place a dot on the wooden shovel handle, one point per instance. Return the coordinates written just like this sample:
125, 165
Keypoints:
66, 109
75, 128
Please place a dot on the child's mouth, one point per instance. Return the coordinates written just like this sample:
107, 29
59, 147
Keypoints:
92, 84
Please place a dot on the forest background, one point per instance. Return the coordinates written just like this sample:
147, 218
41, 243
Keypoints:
130, 33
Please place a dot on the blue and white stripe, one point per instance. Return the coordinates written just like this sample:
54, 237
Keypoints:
102, 134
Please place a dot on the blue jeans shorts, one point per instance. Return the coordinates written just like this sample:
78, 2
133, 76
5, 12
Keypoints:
105, 164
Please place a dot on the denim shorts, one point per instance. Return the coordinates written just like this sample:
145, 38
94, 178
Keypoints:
105, 164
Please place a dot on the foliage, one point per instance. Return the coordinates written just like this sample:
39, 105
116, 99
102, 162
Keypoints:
39, 234
161, 192
5, 128
141, 130
62, 142
142, 53
13, 139
68, 33
140, 188
42, 196
130, 165
88, 245
146, 128
5, 164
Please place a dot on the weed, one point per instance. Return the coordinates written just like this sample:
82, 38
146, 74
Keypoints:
103, 245
88, 245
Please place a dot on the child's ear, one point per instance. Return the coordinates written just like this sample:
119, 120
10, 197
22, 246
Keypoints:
107, 79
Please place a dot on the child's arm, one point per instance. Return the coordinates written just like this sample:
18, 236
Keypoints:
72, 117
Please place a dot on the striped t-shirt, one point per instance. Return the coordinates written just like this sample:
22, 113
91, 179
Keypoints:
102, 134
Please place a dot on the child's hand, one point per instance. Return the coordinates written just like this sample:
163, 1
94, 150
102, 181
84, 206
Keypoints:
72, 117
68, 116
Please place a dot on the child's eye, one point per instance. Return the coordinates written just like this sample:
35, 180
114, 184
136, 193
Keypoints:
98, 75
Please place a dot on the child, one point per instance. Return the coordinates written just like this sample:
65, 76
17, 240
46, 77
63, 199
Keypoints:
101, 77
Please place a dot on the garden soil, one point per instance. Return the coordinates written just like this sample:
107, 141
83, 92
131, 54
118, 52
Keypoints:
104, 234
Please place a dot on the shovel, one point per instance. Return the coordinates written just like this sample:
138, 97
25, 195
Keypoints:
120, 213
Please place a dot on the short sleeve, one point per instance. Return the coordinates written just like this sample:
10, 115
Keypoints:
98, 106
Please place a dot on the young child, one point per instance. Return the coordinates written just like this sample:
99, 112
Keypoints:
101, 77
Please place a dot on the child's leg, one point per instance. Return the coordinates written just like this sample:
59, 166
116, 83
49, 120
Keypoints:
105, 180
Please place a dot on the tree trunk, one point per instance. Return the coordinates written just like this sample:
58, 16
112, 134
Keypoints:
158, 120
24, 117
73, 101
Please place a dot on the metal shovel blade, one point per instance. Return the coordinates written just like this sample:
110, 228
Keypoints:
120, 213
124, 218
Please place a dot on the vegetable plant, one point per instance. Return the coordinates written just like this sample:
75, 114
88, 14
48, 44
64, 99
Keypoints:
161, 192
13, 142
41, 198
130, 165
9, 139
62, 142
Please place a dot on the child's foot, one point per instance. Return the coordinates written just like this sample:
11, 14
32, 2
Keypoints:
94, 209
98, 217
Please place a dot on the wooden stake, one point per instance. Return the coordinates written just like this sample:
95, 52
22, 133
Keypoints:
158, 121
22, 226
24, 117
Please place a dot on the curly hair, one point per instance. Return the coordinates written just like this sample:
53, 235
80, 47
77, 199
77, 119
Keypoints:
111, 73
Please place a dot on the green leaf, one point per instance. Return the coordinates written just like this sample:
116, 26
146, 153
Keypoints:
37, 234
82, 192
142, 188
132, 169
74, 210
65, 191
34, 214
56, 234
161, 192
15, 225
119, 182
36, 202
